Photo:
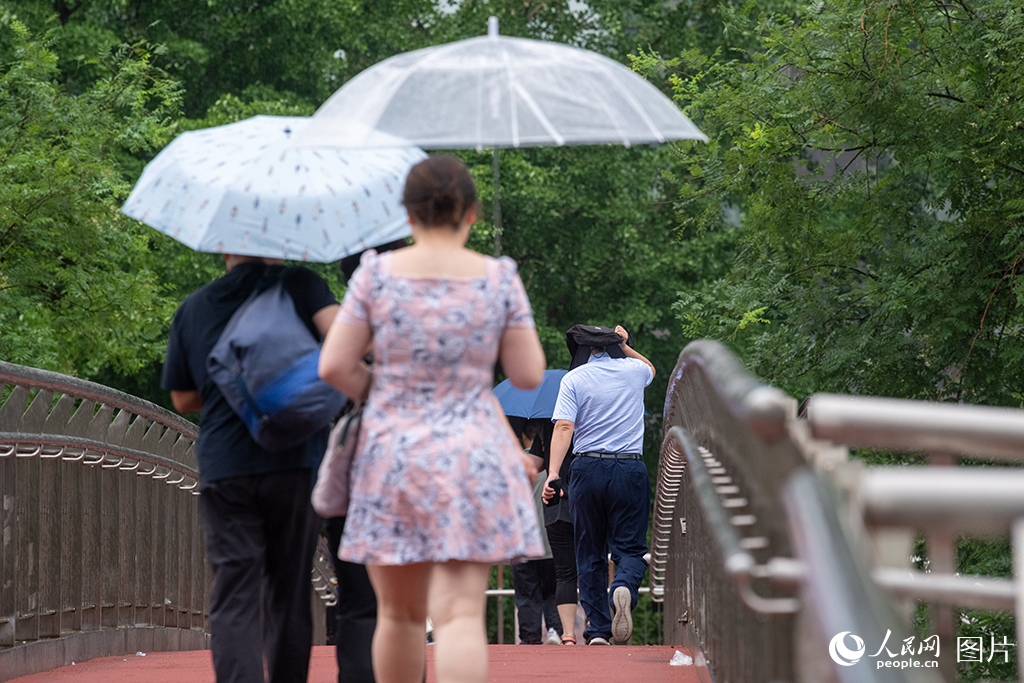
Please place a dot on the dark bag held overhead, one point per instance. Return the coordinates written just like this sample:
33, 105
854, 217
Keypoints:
581, 339
265, 364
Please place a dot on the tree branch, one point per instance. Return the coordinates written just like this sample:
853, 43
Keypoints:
981, 326
65, 12
1008, 167
946, 96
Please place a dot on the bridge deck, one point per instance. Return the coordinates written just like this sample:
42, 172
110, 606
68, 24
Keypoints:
509, 663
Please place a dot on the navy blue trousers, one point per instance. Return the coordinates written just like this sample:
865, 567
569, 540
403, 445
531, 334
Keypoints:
610, 502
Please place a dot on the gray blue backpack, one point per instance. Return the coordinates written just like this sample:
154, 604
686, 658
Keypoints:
265, 364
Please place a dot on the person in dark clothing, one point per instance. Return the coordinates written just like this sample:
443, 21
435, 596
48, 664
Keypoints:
254, 505
558, 524
534, 580
355, 613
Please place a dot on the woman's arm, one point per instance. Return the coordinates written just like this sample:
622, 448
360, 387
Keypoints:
522, 357
341, 360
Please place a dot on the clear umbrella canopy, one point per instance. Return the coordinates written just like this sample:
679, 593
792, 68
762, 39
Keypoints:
496, 91
244, 189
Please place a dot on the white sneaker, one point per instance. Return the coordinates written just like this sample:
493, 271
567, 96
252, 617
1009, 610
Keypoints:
598, 641
622, 620
553, 638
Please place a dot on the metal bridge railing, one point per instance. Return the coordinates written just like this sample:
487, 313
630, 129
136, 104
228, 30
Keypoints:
102, 551
749, 549
939, 502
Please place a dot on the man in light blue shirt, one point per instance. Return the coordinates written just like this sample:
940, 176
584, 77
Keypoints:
600, 410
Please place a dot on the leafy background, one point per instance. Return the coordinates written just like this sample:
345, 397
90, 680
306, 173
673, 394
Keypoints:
854, 224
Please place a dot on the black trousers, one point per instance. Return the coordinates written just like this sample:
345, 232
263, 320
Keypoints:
563, 551
356, 612
534, 583
260, 534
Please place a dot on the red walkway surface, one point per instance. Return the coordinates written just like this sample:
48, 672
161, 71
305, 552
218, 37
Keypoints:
616, 664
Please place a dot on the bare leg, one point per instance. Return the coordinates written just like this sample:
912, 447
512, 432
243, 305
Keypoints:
399, 643
457, 606
568, 614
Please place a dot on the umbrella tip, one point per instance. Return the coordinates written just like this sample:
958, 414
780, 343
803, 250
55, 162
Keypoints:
492, 26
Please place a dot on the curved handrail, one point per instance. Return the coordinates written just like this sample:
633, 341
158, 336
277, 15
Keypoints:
720, 548
11, 441
716, 400
738, 561
111, 552
900, 424
35, 378
740, 523
841, 594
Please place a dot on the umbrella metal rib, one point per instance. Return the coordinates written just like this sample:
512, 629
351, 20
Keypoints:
512, 90
385, 101
628, 96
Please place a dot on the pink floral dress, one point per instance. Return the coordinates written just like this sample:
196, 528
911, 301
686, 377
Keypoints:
437, 474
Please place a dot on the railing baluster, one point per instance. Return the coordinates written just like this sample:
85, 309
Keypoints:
72, 533
92, 521
127, 548
27, 576
50, 517
110, 528
9, 536
144, 549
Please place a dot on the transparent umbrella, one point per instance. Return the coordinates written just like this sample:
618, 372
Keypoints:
496, 91
244, 189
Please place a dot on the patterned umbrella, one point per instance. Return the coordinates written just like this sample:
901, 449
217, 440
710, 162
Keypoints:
244, 189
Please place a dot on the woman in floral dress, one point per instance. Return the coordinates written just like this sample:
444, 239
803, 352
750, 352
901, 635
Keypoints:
439, 492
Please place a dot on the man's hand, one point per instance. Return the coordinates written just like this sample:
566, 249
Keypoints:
548, 493
621, 331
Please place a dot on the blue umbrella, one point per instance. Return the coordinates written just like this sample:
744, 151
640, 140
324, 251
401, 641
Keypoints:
539, 403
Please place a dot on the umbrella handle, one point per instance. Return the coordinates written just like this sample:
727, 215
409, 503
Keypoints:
497, 202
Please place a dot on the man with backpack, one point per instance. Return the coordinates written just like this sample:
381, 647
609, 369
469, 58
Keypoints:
254, 505
600, 411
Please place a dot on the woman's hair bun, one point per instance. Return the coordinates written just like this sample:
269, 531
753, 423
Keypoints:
439, 191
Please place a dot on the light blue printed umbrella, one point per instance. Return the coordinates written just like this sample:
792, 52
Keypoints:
244, 189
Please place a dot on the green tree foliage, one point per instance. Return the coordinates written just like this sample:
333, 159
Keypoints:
867, 162
75, 294
305, 47
865, 165
594, 232
585, 208
309, 48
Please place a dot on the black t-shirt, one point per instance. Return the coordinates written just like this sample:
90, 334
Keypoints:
224, 447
